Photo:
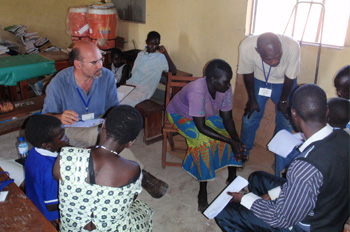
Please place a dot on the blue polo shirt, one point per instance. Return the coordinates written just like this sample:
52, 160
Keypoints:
41, 187
63, 93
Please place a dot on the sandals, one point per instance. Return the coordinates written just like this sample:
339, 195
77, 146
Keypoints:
6, 106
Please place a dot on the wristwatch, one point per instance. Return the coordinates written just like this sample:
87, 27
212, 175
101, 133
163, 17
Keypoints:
283, 102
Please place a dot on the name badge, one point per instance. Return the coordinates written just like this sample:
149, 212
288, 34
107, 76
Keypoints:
265, 92
85, 117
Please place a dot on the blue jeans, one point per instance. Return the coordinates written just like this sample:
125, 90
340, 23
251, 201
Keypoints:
251, 125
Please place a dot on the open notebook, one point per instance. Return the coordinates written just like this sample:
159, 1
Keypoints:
223, 198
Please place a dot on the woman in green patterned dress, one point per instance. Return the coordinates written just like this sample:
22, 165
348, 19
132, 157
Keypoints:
97, 187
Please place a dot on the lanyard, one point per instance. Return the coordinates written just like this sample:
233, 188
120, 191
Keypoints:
85, 104
268, 75
4, 183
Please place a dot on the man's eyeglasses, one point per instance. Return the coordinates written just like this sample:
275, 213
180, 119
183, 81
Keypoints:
95, 61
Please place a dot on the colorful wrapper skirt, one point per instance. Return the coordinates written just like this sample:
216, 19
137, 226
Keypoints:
204, 155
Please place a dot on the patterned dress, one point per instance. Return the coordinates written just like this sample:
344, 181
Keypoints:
204, 155
109, 208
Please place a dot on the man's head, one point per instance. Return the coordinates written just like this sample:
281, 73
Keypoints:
47, 132
153, 41
338, 115
342, 82
219, 73
269, 47
87, 59
123, 124
117, 57
309, 105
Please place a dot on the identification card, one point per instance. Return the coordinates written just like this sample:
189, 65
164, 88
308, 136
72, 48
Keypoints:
85, 117
265, 92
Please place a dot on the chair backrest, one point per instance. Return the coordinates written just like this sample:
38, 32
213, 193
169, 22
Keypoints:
174, 84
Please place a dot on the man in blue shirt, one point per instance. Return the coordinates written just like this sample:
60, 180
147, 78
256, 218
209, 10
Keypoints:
85, 91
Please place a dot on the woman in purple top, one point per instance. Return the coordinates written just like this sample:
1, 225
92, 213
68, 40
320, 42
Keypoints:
202, 113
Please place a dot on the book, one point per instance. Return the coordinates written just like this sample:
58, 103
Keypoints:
284, 142
123, 91
223, 198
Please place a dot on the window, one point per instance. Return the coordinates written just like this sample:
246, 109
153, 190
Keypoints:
275, 15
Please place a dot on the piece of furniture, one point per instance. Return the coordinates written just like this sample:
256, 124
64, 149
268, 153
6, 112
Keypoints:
20, 68
14, 120
152, 113
174, 83
18, 213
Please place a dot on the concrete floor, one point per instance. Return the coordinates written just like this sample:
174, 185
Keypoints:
177, 210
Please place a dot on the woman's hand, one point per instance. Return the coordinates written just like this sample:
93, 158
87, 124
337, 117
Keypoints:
238, 149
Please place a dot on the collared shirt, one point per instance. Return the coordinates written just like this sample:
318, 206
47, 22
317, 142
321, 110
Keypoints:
62, 94
194, 100
297, 197
250, 60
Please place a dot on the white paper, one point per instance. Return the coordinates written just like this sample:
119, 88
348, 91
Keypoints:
123, 91
87, 123
284, 142
3, 195
223, 199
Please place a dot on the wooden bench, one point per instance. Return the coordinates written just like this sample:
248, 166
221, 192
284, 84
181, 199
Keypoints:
152, 113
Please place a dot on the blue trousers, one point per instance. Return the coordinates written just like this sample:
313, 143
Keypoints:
236, 218
283, 163
251, 125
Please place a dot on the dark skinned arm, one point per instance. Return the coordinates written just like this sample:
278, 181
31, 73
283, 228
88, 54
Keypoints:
251, 105
172, 67
287, 87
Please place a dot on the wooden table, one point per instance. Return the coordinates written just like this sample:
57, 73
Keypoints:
18, 213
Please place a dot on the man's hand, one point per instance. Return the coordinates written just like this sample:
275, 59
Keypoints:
236, 197
266, 197
162, 49
250, 107
283, 108
68, 117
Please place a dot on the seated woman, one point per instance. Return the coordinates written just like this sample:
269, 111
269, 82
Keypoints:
202, 113
119, 68
147, 70
97, 187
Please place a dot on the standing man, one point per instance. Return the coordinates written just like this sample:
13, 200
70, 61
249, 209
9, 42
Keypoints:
85, 91
315, 195
270, 64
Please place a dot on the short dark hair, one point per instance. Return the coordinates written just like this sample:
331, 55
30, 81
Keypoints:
74, 55
216, 67
310, 103
153, 35
39, 129
123, 124
343, 73
338, 115
117, 51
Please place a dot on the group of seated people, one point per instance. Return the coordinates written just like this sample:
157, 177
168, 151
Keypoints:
93, 183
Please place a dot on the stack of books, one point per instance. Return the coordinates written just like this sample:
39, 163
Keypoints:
32, 42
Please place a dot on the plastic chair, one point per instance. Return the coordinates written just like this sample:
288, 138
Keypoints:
174, 84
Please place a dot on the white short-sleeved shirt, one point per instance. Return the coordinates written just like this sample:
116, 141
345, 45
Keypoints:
250, 60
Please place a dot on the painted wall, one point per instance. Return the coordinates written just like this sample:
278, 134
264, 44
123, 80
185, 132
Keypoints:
193, 31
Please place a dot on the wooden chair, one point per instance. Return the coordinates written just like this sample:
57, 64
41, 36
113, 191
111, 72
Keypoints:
174, 84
